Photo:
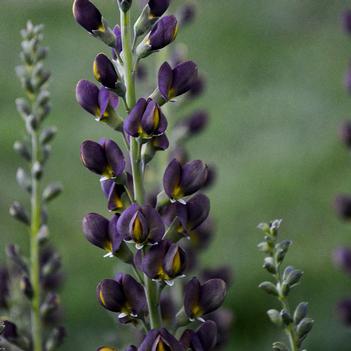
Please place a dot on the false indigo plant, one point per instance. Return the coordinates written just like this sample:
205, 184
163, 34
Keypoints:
295, 323
342, 203
158, 219
29, 304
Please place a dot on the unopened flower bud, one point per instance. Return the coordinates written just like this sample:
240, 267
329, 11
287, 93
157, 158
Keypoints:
124, 5
26, 287
55, 339
22, 150
18, 211
52, 191
47, 135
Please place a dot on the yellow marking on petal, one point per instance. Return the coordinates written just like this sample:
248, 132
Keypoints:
118, 202
175, 32
108, 246
101, 296
107, 348
101, 28
156, 118
97, 112
177, 192
161, 346
171, 93
197, 311
177, 263
108, 173
137, 229
96, 71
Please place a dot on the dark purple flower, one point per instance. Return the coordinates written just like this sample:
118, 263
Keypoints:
9, 332
345, 133
342, 206
342, 258
344, 311
118, 43
224, 273
187, 14
164, 261
197, 87
224, 320
195, 123
346, 21
116, 195
176, 81
104, 158
160, 339
201, 299
101, 103
202, 235
162, 33
102, 233
123, 295
141, 224
87, 15
168, 309
145, 120
184, 218
158, 7
203, 339
104, 71
4, 286
211, 176
184, 180
160, 142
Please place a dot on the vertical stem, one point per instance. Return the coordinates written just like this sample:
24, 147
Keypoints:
34, 249
151, 288
289, 330
126, 29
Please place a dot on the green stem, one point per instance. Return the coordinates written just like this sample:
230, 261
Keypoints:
151, 288
289, 330
152, 297
34, 249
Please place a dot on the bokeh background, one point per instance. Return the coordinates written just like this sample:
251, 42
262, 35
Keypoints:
276, 96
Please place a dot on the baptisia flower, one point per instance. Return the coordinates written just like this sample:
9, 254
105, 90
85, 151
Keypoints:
180, 180
145, 120
104, 234
141, 225
160, 340
201, 299
164, 261
87, 15
104, 158
123, 295
162, 34
100, 102
173, 82
203, 339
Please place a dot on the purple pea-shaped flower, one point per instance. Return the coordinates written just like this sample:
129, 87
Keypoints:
158, 7
160, 339
102, 233
87, 15
104, 71
4, 286
342, 259
123, 295
145, 120
101, 103
203, 339
180, 180
164, 261
162, 34
343, 310
201, 299
177, 81
116, 195
194, 124
141, 225
104, 158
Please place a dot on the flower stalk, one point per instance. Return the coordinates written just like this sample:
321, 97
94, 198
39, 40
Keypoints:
296, 325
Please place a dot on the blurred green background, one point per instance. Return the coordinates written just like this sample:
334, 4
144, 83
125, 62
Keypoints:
276, 96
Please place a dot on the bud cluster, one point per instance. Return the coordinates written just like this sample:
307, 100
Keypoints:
296, 323
158, 219
29, 304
